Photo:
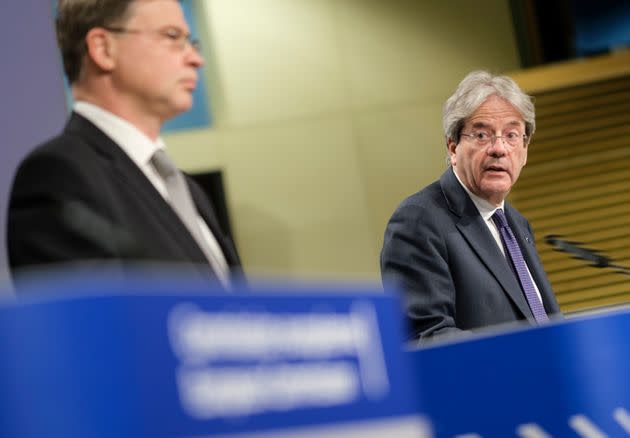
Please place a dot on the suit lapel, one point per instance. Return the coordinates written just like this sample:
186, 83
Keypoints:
474, 230
159, 208
134, 180
206, 211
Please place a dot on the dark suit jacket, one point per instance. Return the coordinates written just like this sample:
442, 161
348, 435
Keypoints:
439, 251
79, 197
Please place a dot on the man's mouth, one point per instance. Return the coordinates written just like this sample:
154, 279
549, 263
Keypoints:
495, 169
189, 84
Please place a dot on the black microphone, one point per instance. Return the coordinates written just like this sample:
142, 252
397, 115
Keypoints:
590, 255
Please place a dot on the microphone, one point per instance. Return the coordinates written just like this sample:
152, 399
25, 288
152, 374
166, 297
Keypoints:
590, 255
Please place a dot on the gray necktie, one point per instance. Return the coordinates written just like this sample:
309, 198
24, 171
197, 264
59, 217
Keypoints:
182, 203
513, 251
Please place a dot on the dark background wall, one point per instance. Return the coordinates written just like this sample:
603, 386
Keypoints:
32, 103
559, 30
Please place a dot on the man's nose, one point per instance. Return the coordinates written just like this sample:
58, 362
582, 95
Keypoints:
497, 146
194, 57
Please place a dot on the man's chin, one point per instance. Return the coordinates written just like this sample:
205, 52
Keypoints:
497, 179
179, 107
496, 191
185, 103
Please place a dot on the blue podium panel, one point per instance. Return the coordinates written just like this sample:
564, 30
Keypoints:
167, 359
567, 379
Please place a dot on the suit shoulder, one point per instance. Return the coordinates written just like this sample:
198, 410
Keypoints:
63, 163
425, 213
427, 200
516, 215
64, 147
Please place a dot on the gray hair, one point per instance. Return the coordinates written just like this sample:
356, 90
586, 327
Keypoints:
473, 91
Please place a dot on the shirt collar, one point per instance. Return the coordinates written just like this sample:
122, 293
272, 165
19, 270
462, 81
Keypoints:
136, 145
486, 209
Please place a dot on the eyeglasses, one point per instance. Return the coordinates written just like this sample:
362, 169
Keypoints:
176, 37
483, 138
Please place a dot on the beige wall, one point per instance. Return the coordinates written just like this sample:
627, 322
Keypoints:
328, 113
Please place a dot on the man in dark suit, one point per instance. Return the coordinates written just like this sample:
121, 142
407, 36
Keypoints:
104, 189
463, 256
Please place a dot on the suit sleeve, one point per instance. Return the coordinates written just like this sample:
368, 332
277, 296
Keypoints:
53, 217
414, 260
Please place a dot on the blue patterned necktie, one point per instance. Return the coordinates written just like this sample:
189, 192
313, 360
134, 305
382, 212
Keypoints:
520, 268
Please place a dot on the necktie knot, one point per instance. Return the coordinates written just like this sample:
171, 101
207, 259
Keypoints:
499, 218
163, 164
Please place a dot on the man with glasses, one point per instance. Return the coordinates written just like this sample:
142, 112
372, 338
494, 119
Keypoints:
104, 189
463, 256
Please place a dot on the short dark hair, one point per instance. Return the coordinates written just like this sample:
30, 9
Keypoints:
75, 18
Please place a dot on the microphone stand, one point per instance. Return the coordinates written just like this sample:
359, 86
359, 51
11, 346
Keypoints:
578, 252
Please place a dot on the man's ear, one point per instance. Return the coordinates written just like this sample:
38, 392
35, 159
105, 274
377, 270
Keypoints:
101, 48
451, 145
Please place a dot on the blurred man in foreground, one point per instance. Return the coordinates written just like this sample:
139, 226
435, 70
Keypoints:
104, 189
464, 257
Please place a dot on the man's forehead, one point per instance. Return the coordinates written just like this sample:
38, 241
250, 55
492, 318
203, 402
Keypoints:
482, 123
157, 14
154, 9
153, 1
496, 110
